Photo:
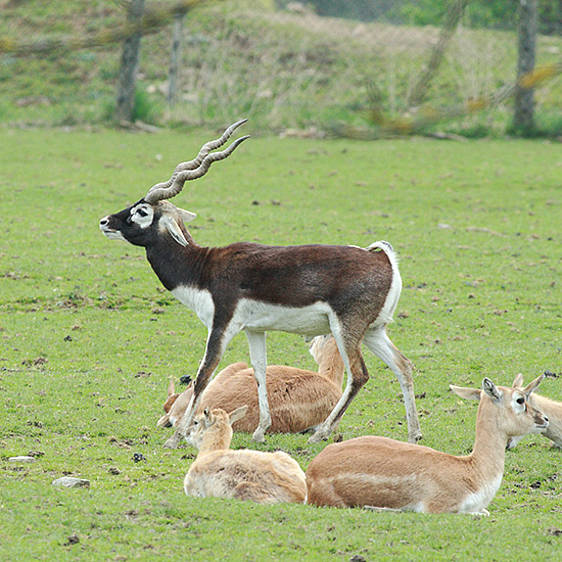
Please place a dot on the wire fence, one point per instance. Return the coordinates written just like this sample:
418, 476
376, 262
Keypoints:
153, 21
295, 73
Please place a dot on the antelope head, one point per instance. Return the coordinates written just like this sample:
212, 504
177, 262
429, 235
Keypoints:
144, 222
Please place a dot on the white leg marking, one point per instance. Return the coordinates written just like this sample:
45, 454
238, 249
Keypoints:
258, 359
379, 343
325, 428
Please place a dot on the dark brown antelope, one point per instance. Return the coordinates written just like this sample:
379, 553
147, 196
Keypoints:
313, 290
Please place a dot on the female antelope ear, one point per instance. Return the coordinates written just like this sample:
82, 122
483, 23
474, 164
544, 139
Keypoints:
466, 393
237, 414
518, 380
491, 389
171, 387
174, 229
532, 385
164, 421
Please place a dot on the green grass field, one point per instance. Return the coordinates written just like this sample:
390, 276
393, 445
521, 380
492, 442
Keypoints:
89, 338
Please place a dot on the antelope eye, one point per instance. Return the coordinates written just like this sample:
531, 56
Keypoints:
142, 212
520, 401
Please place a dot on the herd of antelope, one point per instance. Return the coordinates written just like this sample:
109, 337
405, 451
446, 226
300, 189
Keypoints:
342, 297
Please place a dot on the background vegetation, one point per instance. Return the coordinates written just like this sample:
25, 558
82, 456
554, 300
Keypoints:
89, 338
290, 73
496, 14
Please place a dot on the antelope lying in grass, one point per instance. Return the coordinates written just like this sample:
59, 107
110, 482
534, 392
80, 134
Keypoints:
312, 290
389, 474
220, 472
298, 399
550, 408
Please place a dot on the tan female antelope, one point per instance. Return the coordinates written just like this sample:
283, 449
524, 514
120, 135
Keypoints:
551, 408
389, 474
243, 474
298, 399
313, 290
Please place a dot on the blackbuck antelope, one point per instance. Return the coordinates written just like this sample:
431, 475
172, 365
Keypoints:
313, 290
392, 475
551, 408
220, 472
298, 399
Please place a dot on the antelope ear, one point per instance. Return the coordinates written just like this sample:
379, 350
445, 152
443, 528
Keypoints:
171, 387
466, 393
533, 385
518, 380
237, 414
491, 389
174, 229
164, 421
186, 216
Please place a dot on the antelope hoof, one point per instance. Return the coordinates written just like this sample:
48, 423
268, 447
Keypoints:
320, 435
258, 436
415, 438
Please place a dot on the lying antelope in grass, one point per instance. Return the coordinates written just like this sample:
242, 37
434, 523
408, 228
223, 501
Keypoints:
312, 289
389, 474
298, 399
243, 474
551, 408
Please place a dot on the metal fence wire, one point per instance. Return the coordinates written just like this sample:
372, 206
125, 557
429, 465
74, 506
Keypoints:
287, 71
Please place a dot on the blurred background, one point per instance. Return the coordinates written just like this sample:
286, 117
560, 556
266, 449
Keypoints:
351, 68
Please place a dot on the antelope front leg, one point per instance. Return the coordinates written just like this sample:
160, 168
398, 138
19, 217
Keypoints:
216, 342
256, 342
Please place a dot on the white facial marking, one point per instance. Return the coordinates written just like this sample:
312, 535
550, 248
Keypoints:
142, 215
113, 234
518, 403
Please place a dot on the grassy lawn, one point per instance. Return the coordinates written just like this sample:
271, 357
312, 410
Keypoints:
89, 338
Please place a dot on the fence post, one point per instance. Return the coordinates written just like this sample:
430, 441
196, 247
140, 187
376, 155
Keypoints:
175, 58
129, 64
523, 117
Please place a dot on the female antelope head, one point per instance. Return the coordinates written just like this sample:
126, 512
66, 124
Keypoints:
512, 413
213, 430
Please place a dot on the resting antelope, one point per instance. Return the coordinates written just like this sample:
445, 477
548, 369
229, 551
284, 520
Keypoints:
243, 474
551, 408
389, 474
298, 399
349, 291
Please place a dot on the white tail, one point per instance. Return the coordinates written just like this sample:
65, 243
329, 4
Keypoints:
298, 399
384, 473
244, 474
550, 408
